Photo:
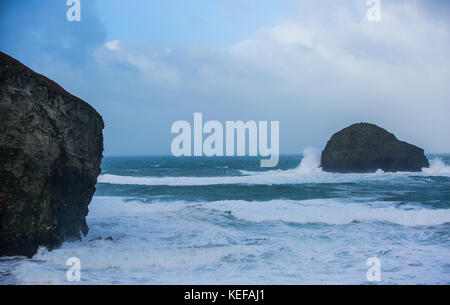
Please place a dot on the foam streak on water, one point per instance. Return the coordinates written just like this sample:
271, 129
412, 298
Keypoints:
307, 172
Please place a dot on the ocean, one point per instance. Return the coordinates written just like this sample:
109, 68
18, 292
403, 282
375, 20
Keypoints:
167, 220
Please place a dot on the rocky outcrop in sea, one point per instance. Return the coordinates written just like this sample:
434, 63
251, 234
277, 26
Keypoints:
51, 146
364, 147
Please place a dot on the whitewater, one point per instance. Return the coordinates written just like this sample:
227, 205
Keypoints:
166, 220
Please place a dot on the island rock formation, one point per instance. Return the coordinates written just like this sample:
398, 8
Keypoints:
51, 146
364, 147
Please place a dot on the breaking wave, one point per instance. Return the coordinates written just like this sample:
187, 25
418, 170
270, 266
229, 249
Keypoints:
308, 171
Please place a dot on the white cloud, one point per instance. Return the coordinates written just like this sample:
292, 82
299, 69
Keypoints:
314, 75
113, 45
156, 69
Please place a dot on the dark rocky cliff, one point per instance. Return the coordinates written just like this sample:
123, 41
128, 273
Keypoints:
51, 146
364, 147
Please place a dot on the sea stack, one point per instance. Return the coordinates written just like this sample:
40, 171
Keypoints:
365, 148
51, 146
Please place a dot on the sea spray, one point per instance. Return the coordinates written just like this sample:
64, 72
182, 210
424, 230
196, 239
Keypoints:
311, 161
437, 167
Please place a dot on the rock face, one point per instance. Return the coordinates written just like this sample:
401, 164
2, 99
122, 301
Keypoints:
362, 148
51, 146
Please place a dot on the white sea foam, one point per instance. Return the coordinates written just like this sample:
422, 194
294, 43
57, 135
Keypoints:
308, 171
325, 211
194, 243
332, 212
320, 241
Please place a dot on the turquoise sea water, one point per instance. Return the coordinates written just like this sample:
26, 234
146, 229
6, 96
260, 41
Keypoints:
167, 220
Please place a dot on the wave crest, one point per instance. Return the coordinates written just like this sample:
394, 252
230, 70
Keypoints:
325, 211
308, 171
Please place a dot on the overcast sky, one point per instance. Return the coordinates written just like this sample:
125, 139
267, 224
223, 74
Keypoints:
316, 66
